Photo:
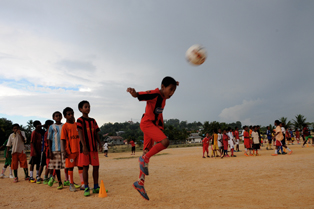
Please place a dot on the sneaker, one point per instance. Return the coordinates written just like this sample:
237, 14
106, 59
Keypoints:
141, 190
32, 180
204, 157
27, 178
284, 153
72, 188
258, 155
76, 185
82, 187
274, 154
2, 175
38, 180
96, 190
51, 180
254, 154
143, 165
15, 180
233, 155
290, 152
60, 186
251, 155
66, 183
45, 181
246, 154
87, 192
11, 176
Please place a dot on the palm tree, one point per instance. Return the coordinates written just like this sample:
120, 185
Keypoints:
284, 120
299, 121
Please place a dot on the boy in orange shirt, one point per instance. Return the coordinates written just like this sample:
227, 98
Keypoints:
152, 125
71, 145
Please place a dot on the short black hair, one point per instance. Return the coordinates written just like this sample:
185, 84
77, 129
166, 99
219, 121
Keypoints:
244, 127
168, 81
16, 125
57, 112
277, 122
215, 130
229, 128
67, 109
81, 104
48, 123
36, 123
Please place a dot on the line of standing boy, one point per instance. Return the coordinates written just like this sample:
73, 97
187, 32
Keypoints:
63, 146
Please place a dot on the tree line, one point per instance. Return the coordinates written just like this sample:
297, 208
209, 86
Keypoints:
175, 130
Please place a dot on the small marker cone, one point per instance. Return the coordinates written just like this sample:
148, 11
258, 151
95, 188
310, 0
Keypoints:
102, 191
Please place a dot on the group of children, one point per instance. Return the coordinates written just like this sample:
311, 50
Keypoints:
229, 138
221, 140
62, 146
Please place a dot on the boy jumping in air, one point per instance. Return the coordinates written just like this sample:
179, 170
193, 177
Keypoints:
152, 125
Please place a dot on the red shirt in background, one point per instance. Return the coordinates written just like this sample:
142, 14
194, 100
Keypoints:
225, 139
36, 140
297, 134
132, 143
205, 142
236, 133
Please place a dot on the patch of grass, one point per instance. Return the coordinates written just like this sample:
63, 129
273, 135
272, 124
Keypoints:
122, 158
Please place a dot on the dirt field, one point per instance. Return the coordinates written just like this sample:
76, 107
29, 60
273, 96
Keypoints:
183, 179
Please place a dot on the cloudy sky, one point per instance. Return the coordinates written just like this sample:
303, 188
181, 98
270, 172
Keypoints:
260, 63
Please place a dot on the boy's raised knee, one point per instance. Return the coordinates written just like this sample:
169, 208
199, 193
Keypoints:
165, 142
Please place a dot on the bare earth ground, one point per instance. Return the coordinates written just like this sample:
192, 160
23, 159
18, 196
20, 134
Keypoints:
182, 179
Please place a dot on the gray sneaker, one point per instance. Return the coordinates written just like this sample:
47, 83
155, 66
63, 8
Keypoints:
72, 188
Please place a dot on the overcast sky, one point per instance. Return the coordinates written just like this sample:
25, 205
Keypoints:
260, 63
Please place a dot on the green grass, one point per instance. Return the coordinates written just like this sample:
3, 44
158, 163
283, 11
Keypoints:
122, 158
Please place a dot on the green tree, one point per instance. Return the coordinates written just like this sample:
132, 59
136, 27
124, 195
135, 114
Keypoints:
5, 129
287, 123
299, 121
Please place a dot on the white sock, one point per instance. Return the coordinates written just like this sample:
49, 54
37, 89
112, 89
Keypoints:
10, 171
245, 150
37, 173
3, 170
276, 151
31, 174
289, 149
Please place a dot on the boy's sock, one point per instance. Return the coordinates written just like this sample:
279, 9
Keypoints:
66, 175
232, 151
157, 148
37, 173
31, 174
276, 151
81, 176
71, 177
96, 186
54, 173
141, 178
86, 186
25, 172
288, 149
15, 173
3, 170
10, 171
45, 177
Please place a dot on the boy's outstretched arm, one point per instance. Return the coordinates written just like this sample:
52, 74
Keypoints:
132, 92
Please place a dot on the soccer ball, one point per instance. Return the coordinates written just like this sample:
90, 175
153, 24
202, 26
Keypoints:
196, 54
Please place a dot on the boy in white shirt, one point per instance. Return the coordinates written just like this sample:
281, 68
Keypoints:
17, 140
105, 147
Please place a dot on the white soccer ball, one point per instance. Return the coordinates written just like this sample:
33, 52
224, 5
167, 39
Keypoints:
196, 54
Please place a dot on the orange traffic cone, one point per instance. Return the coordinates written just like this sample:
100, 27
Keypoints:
102, 191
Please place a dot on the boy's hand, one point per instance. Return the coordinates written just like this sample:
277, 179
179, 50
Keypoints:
132, 92
85, 150
64, 154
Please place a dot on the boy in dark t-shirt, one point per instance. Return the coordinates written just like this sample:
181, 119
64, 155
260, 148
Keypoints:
36, 140
88, 133
152, 125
